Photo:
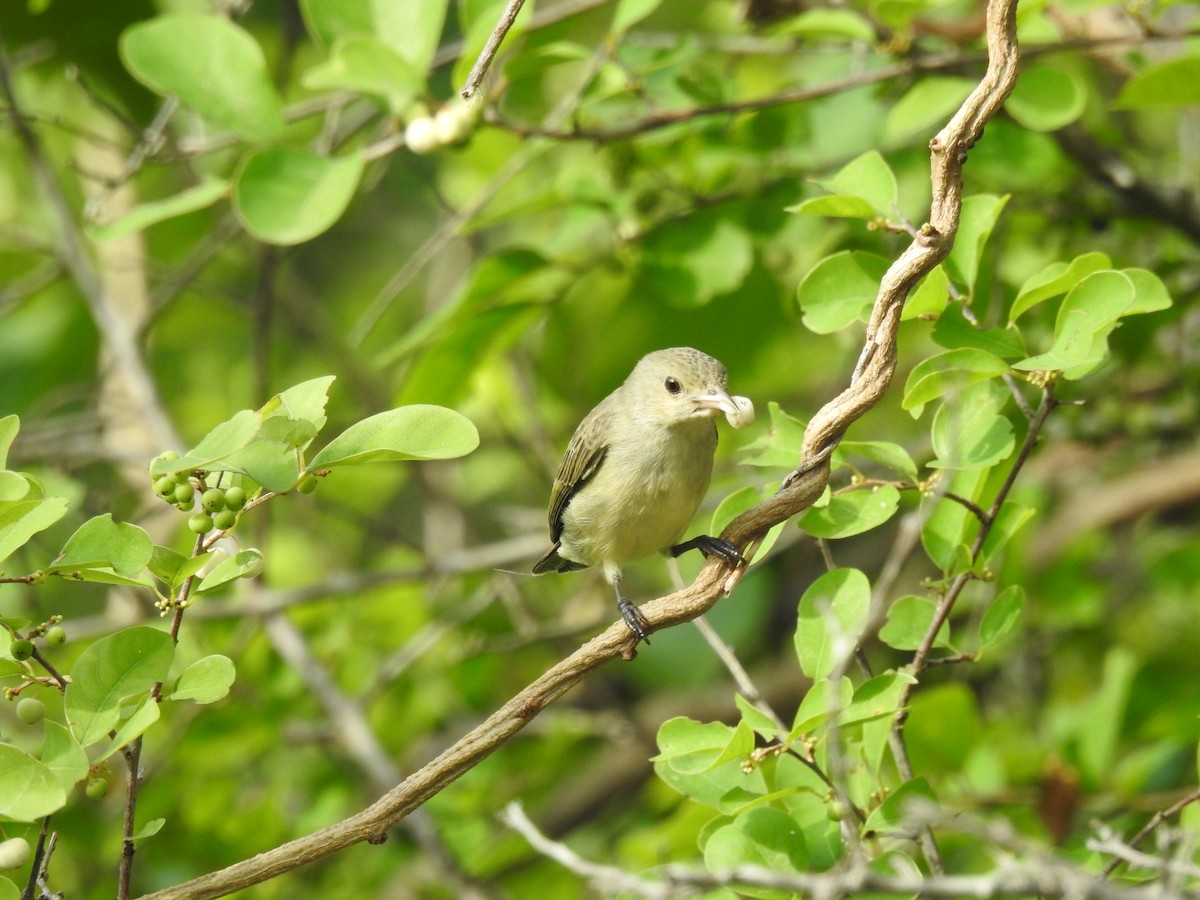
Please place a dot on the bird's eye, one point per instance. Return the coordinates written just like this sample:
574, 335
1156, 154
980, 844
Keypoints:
672, 384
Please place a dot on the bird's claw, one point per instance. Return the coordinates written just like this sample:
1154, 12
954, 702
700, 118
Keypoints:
634, 618
712, 546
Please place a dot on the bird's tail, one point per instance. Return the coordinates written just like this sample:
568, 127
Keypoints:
552, 562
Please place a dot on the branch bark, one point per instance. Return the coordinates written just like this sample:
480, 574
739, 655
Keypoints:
870, 381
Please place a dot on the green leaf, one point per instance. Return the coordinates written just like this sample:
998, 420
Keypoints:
756, 719
206, 680
969, 431
980, 213
944, 532
232, 434
762, 836
630, 12
824, 22
925, 108
954, 331
877, 698
1046, 98
327, 20
142, 216
22, 519
273, 464
63, 755
951, 371
287, 196
29, 789
870, 178
1100, 728
835, 206
364, 64
1055, 279
409, 432
151, 828
211, 65
1150, 294
102, 543
243, 564
13, 486
780, 445
1166, 85
736, 504
411, 29
833, 613
840, 290
890, 815
1087, 316
1002, 616
114, 668
909, 620
189, 567
689, 747
929, 297
143, 717
9, 427
891, 456
1008, 522
822, 701
852, 512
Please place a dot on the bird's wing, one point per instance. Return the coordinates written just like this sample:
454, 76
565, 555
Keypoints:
580, 463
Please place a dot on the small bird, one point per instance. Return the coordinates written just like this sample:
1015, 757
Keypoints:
637, 468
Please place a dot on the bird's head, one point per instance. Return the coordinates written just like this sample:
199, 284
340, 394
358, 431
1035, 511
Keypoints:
679, 385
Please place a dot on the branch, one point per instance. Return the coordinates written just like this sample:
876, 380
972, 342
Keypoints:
484, 62
870, 380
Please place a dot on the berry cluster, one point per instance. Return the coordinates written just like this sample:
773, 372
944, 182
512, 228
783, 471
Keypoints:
219, 507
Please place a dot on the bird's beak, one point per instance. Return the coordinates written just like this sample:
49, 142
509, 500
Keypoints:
739, 411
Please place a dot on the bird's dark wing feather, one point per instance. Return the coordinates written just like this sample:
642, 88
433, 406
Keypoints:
580, 463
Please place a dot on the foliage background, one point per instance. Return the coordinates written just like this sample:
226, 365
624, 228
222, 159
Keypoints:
515, 275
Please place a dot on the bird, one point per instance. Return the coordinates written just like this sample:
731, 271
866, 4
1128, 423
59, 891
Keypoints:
636, 469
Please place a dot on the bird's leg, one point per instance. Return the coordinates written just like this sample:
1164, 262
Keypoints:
633, 616
711, 546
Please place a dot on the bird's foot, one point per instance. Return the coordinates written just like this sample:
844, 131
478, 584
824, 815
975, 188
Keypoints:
634, 618
711, 546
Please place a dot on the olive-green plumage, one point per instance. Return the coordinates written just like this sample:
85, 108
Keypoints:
637, 468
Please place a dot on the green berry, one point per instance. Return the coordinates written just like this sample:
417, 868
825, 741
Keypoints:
201, 523
307, 485
97, 788
224, 519
31, 710
22, 649
164, 486
212, 500
184, 492
14, 853
235, 498
56, 636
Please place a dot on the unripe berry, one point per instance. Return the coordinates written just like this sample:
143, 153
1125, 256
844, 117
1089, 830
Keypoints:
224, 519
201, 523
212, 500
31, 710
235, 498
56, 636
307, 485
96, 788
184, 492
14, 853
164, 486
22, 649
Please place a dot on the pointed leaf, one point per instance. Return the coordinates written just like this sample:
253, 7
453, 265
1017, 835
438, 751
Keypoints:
409, 432
1002, 616
112, 669
833, 613
101, 542
145, 715
243, 564
142, 216
22, 519
206, 680
64, 756
29, 790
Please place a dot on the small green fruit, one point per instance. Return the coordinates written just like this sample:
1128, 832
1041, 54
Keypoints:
56, 636
225, 519
14, 853
307, 485
201, 523
212, 500
184, 492
235, 498
31, 710
164, 486
97, 788
22, 649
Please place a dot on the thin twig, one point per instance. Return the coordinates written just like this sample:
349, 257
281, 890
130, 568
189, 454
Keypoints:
484, 62
1155, 821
